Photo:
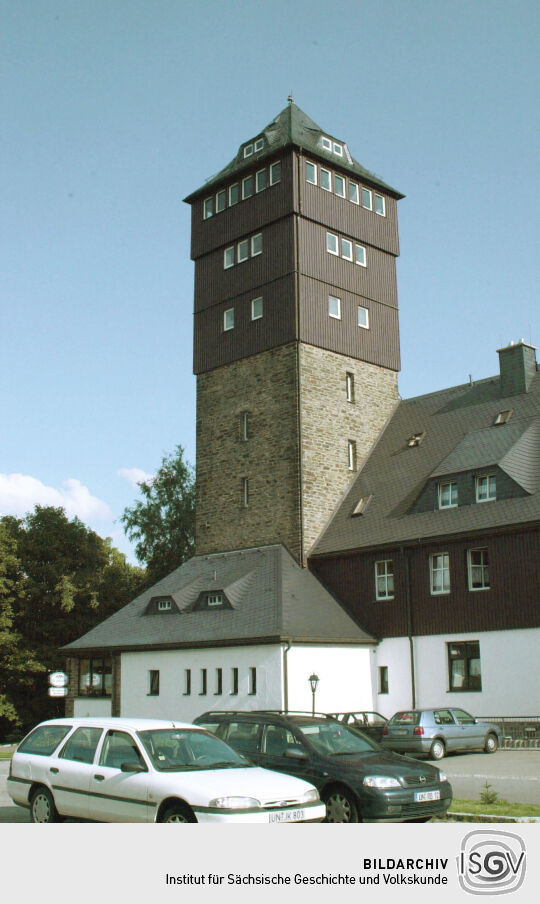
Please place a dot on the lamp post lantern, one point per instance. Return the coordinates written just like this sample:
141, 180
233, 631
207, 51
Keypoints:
313, 680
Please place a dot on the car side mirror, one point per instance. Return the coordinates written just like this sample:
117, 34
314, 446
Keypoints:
132, 767
295, 753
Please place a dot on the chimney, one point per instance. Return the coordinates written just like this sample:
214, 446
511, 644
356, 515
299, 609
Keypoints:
517, 364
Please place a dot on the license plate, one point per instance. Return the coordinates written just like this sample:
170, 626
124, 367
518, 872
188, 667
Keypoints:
399, 731
286, 816
426, 795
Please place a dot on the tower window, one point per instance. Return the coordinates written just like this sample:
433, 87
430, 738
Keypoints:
245, 492
360, 255
221, 201
363, 317
311, 173
351, 455
367, 199
349, 384
228, 258
339, 185
275, 172
256, 244
228, 319
332, 243
256, 309
346, 249
247, 187
260, 180
234, 194
353, 192
334, 307
380, 206
326, 179
208, 208
244, 425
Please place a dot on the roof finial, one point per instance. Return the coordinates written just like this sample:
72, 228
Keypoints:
290, 98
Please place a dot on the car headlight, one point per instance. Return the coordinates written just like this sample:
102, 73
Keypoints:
381, 781
442, 776
309, 795
235, 803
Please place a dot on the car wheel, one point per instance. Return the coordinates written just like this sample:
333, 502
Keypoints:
491, 744
340, 806
438, 749
177, 813
42, 807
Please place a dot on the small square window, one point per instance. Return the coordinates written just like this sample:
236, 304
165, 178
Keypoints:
275, 172
256, 308
384, 579
243, 251
486, 488
247, 187
353, 193
208, 208
326, 143
351, 455
448, 494
326, 179
439, 570
346, 249
363, 317
334, 307
349, 386
221, 201
332, 243
338, 149
256, 244
366, 199
228, 258
339, 185
259, 144
261, 180
311, 173
248, 150
360, 255
228, 319
234, 194
478, 568
380, 206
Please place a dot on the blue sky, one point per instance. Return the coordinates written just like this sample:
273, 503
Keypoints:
113, 112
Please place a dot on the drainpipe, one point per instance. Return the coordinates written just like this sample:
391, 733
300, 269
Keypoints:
286, 677
409, 624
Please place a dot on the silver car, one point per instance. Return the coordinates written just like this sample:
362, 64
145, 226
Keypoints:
436, 732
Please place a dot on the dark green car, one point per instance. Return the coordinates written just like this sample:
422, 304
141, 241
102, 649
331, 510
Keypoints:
356, 778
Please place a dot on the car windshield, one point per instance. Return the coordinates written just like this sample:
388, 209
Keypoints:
175, 750
334, 739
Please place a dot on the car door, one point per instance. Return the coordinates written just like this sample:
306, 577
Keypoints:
446, 727
70, 773
117, 796
471, 731
276, 740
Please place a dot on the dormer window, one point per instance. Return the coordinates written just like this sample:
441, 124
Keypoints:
259, 144
337, 149
214, 599
503, 417
448, 495
248, 150
361, 505
164, 605
326, 143
486, 488
415, 439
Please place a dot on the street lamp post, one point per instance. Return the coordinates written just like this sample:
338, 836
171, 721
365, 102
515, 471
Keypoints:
313, 680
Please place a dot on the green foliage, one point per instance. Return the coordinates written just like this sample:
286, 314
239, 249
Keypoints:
58, 579
488, 796
163, 523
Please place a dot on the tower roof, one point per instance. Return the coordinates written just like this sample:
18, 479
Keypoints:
292, 128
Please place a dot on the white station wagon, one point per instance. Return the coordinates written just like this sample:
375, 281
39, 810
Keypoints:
147, 770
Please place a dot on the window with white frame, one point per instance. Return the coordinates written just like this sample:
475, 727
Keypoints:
337, 149
351, 455
247, 187
260, 180
326, 179
275, 172
439, 572
332, 243
346, 249
228, 257
214, 599
256, 308
478, 568
380, 206
259, 144
248, 150
256, 244
360, 255
234, 194
448, 494
384, 579
208, 208
164, 605
334, 307
486, 488
363, 317
353, 193
349, 386
311, 173
228, 319
221, 201
326, 143
339, 185
367, 201
243, 251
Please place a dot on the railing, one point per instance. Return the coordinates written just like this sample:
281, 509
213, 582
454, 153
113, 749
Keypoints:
517, 731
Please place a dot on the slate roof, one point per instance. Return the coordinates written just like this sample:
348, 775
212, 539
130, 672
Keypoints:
272, 599
459, 436
292, 128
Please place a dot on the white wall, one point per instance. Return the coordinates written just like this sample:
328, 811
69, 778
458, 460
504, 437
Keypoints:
509, 667
92, 706
345, 678
173, 704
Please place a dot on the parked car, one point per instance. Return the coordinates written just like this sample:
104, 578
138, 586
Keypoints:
436, 732
370, 723
145, 770
358, 781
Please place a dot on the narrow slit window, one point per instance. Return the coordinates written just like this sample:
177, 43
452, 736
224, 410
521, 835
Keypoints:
187, 682
153, 690
252, 681
244, 426
202, 692
349, 384
234, 681
219, 683
351, 455
245, 492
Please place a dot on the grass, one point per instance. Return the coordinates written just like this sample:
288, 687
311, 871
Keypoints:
499, 808
7, 752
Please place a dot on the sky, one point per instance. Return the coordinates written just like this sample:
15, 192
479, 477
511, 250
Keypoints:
114, 111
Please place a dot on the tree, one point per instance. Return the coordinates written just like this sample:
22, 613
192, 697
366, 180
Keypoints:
163, 523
